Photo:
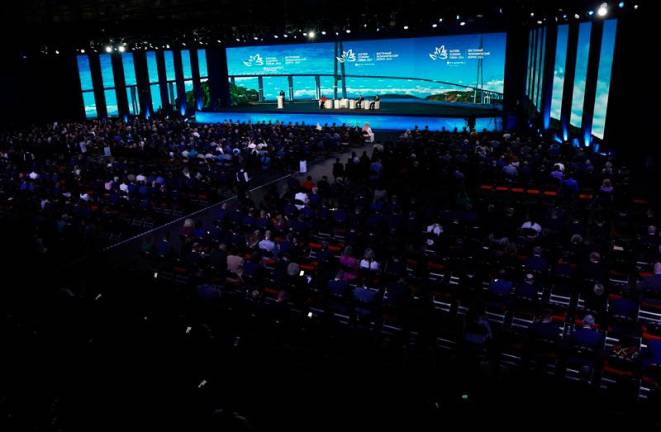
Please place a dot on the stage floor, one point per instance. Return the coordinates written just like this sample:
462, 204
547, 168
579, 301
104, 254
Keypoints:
400, 107
380, 122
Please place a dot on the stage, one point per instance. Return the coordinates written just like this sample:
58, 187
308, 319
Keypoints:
394, 115
389, 106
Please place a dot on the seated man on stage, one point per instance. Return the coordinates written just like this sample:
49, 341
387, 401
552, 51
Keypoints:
373, 103
322, 101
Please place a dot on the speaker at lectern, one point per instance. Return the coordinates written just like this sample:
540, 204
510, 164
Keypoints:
281, 100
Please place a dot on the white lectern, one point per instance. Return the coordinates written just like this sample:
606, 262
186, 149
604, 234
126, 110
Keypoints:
281, 102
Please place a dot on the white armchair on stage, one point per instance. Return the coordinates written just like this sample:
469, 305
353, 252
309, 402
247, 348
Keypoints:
281, 102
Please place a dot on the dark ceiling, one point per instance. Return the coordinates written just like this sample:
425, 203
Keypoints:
74, 23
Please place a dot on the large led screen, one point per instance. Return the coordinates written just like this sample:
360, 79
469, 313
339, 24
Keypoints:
604, 77
427, 71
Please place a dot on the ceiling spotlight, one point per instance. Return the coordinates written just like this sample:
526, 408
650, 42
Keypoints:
275, 36
532, 14
238, 40
348, 30
539, 21
108, 49
590, 13
603, 10
57, 51
434, 25
312, 34
635, 6
255, 38
577, 16
305, 33
82, 51
621, 4
122, 48
458, 17
406, 27
323, 32
440, 20
463, 23
285, 35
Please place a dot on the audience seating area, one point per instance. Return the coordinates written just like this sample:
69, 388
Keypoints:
513, 250
76, 187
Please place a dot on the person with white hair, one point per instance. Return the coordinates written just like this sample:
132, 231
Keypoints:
266, 244
368, 133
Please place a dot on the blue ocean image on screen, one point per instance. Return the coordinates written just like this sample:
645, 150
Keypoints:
604, 77
559, 71
185, 64
86, 86
90, 104
403, 68
107, 75
155, 91
152, 67
84, 73
540, 69
202, 63
580, 75
111, 102
129, 69
108, 79
169, 65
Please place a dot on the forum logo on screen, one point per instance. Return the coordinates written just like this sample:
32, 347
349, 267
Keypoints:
348, 56
254, 60
440, 53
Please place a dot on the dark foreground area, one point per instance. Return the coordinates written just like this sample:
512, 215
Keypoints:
237, 365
